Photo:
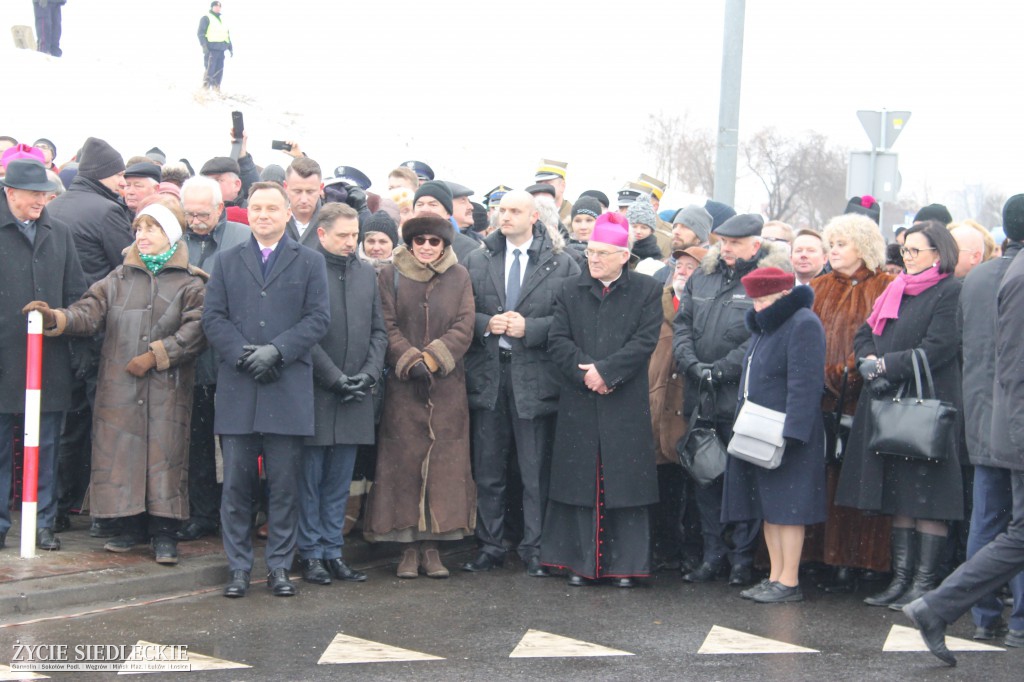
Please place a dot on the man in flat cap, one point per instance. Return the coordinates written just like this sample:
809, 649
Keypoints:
142, 180
228, 175
710, 340
40, 263
462, 210
553, 173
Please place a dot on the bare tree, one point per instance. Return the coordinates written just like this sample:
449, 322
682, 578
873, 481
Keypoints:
804, 177
981, 203
682, 154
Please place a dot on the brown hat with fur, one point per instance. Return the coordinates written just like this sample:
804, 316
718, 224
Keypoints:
429, 225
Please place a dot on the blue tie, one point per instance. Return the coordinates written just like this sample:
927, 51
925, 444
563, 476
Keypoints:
512, 286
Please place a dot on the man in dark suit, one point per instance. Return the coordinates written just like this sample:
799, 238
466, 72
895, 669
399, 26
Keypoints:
304, 185
511, 382
266, 307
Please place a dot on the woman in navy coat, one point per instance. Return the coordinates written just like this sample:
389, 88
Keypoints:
785, 363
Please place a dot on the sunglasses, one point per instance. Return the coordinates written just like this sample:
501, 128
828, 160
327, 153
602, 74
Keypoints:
420, 240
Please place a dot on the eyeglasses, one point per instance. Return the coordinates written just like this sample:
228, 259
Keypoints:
190, 216
420, 240
600, 254
914, 253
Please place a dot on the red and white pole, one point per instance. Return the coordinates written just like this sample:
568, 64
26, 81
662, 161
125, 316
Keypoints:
30, 480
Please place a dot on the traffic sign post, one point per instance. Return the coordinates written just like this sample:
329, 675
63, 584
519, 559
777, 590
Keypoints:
876, 172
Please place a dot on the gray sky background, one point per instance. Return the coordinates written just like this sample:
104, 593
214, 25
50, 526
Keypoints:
483, 91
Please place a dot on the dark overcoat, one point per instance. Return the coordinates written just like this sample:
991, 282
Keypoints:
787, 374
45, 270
1008, 401
616, 332
424, 481
140, 432
100, 223
891, 485
977, 322
288, 308
355, 342
534, 379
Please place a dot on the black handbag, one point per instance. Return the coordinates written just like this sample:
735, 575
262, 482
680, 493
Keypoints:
701, 452
920, 428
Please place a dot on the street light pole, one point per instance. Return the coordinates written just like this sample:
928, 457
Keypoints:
729, 103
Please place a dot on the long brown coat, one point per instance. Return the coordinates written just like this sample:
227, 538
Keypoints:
849, 537
140, 432
424, 482
667, 418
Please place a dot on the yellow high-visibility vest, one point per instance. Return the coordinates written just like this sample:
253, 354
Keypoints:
217, 32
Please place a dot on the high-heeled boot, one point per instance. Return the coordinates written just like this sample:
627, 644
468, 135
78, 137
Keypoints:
904, 562
926, 578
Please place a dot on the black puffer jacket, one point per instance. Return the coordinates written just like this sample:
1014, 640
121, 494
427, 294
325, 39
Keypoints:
710, 325
100, 223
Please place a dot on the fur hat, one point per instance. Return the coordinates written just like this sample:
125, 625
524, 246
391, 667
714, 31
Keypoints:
99, 160
437, 190
428, 224
767, 281
381, 222
865, 205
1013, 218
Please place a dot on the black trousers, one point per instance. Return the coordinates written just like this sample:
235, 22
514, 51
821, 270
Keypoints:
496, 434
214, 68
282, 461
993, 566
74, 454
48, 28
203, 489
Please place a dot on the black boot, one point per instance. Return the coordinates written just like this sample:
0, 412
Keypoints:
904, 561
930, 550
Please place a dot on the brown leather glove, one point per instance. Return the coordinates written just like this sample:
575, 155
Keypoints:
49, 319
140, 364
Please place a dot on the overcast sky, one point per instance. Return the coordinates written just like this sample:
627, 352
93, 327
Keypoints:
482, 91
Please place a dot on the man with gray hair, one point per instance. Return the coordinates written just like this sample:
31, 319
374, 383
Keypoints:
209, 233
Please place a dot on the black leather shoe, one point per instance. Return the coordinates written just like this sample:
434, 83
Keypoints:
238, 585
933, 629
535, 569
105, 528
740, 576
997, 629
193, 530
342, 571
279, 583
751, 592
123, 543
777, 593
165, 549
45, 539
579, 581
482, 562
313, 571
625, 583
705, 573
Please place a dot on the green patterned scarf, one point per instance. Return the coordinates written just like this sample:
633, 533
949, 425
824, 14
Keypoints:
155, 263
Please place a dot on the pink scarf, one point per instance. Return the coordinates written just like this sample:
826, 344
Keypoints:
887, 306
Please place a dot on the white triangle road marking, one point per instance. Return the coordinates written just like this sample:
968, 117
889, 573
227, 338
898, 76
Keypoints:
726, 641
196, 661
903, 638
538, 644
7, 674
348, 649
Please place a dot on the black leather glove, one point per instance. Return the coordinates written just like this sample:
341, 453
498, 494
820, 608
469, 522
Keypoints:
880, 386
419, 372
356, 197
867, 368
246, 352
341, 385
360, 382
261, 360
698, 369
270, 376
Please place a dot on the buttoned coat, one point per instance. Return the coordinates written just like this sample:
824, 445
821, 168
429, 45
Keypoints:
140, 431
1008, 400
290, 309
617, 332
534, 379
45, 270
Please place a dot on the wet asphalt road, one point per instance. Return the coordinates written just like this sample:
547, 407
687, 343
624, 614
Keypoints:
475, 621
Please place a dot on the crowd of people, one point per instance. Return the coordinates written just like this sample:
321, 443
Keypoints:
526, 370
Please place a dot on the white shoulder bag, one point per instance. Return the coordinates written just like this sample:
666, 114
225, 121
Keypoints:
757, 433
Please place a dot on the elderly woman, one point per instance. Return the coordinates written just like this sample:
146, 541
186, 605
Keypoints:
784, 371
916, 311
843, 299
150, 310
424, 490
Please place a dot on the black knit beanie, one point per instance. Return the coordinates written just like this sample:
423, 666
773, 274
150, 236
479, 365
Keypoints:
438, 190
99, 160
1013, 217
381, 222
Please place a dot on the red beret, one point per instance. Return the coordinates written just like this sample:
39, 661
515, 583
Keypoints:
768, 281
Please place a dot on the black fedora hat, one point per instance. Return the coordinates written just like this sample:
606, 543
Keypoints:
27, 174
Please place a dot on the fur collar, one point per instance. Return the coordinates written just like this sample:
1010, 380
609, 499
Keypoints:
771, 255
775, 315
408, 265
